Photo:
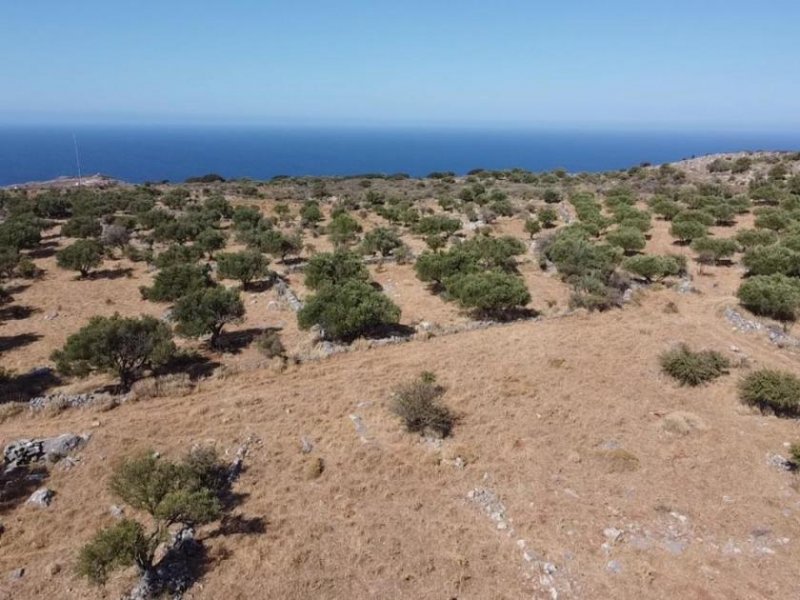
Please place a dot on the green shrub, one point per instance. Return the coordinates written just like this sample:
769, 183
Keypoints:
574, 255
769, 260
178, 255
750, 238
771, 390
772, 218
276, 243
310, 214
246, 217
630, 239
592, 292
207, 311
82, 227
547, 216
665, 208
655, 268
334, 268
488, 293
418, 404
122, 346
532, 227
20, 233
81, 256
693, 368
113, 548
713, 250
242, 266
270, 345
436, 224
775, 296
347, 310
177, 281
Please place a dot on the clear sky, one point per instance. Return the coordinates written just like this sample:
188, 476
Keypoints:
715, 64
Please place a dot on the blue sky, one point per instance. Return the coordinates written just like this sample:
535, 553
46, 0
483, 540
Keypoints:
714, 64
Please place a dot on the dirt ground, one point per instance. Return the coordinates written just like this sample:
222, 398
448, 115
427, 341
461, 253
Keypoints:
576, 469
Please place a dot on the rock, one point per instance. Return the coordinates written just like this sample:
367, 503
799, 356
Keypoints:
41, 497
306, 445
23, 452
53, 569
779, 462
17, 573
614, 566
686, 287
612, 534
682, 423
116, 511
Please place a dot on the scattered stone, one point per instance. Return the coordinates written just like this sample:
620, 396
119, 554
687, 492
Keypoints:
63, 401
685, 287
17, 573
612, 534
614, 566
116, 511
361, 429
306, 445
775, 334
42, 497
779, 462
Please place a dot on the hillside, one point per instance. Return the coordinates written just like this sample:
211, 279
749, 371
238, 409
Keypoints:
576, 467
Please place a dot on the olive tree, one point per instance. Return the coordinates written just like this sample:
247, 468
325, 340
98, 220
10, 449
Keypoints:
118, 345
207, 311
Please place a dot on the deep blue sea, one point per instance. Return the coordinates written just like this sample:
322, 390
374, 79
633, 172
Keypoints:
155, 153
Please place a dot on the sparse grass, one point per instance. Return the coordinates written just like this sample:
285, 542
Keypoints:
772, 391
417, 403
693, 368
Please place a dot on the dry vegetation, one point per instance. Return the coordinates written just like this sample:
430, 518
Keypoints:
552, 455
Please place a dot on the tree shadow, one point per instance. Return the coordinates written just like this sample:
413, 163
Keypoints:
111, 273
509, 315
12, 342
44, 250
17, 484
18, 312
21, 388
390, 330
263, 285
17, 289
236, 341
194, 364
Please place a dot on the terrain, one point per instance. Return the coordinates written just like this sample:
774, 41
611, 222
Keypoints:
576, 467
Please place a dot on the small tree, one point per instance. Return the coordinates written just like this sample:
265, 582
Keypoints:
242, 266
489, 293
276, 243
122, 346
187, 493
333, 268
713, 250
81, 256
532, 227
348, 310
177, 281
381, 240
776, 296
210, 240
686, 231
310, 214
771, 260
750, 238
343, 229
207, 312
178, 255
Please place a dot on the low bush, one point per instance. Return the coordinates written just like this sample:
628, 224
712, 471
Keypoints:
693, 368
333, 268
772, 391
713, 250
776, 296
655, 268
270, 345
418, 404
177, 281
81, 256
489, 293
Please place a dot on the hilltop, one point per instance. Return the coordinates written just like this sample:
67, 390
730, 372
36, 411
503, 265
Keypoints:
576, 466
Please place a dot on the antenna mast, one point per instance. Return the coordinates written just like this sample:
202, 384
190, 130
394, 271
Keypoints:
77, 159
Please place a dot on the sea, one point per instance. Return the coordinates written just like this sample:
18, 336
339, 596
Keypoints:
174, 153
